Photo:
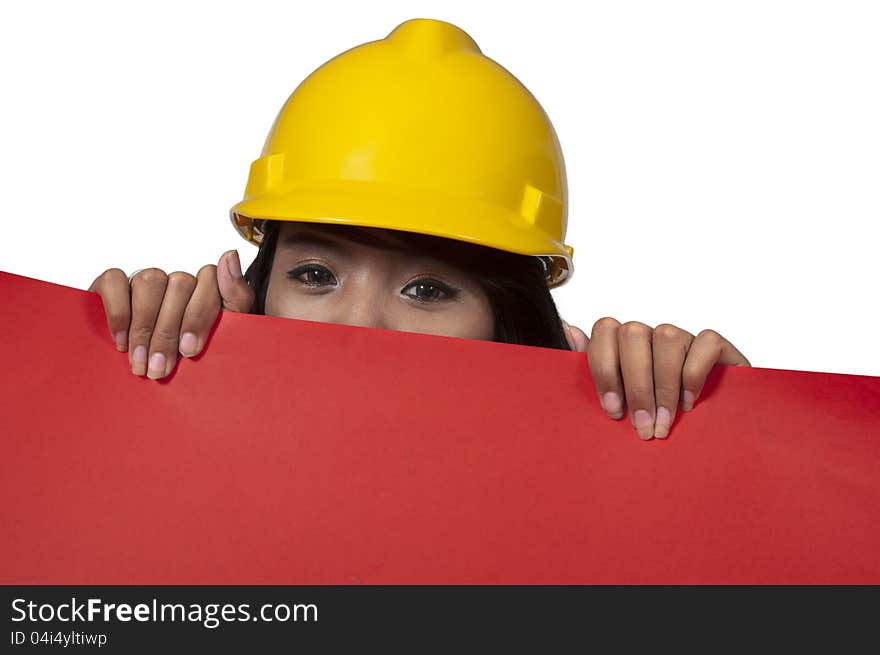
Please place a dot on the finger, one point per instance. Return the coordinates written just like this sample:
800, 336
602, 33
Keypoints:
577, 340
670, 347
637, 369
566, 329
165, 340
708, 349
201, 312
604, 364
235, 293
147, 291
112, 286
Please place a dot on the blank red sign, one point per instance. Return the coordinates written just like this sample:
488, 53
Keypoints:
295, 452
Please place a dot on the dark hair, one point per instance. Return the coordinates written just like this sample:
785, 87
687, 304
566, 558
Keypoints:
521, 303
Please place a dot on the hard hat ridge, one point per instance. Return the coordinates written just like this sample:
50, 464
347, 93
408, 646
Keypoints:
426, 38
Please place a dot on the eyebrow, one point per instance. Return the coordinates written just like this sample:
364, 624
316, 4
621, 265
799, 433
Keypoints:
305, 235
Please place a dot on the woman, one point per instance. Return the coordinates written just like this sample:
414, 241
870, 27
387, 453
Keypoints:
412, 184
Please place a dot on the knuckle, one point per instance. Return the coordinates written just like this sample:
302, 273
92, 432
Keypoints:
200, 318
207, 269
118, 318
150, 277
667, 332
107, 277
635, 330
710, 335
606, 374
181, 280
691, 376
164, 339
666, 391
640, 391
141, 333
110, 273
606, 323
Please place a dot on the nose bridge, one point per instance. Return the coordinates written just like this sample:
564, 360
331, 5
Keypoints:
364, 303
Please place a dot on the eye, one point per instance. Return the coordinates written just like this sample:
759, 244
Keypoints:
428, 290
312, 275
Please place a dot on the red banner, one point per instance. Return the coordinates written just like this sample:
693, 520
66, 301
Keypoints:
296, 452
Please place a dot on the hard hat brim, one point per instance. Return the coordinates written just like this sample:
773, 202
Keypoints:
424, 211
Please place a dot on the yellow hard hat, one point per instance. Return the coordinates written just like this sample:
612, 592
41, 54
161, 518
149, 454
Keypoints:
419, 132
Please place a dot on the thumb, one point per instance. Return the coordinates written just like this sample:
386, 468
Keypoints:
235, 292
577, 340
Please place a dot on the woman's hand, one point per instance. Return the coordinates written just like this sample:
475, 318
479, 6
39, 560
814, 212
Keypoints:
649, 370
158, 316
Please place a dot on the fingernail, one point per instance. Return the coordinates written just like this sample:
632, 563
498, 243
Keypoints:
687, 402
157, 366
139, 360
661, 424
612, 403
234, 264
189, 344
120, 338
643, 423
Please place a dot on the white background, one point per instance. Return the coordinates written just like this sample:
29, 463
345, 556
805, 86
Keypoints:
723, 157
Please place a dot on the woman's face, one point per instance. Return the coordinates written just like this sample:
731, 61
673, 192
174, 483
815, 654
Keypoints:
317, 275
